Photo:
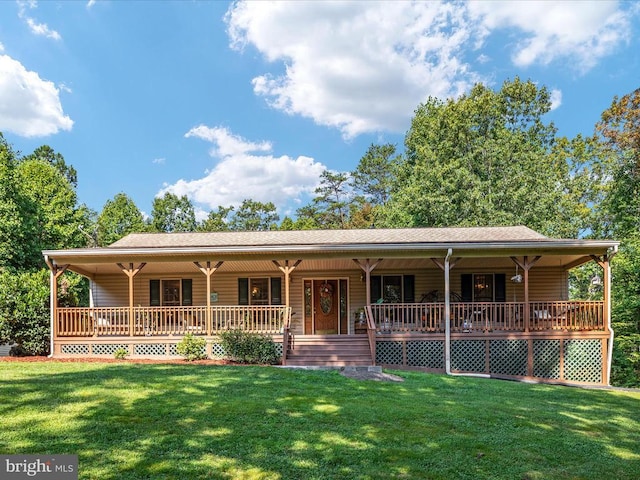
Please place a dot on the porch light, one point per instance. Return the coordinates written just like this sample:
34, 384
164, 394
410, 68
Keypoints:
596, 281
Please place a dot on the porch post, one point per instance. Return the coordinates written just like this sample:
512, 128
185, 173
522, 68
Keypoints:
286, 269
605, 263
208, 271
56, 271
526, 265
130, 273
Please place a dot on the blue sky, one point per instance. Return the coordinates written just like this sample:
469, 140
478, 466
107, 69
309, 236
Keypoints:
226, 101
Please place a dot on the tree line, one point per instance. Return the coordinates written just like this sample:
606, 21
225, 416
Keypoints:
487, 158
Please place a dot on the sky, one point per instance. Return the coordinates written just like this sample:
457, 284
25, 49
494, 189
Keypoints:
226, 101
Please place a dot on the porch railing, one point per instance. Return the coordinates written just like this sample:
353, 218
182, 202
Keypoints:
488, 316
86, 322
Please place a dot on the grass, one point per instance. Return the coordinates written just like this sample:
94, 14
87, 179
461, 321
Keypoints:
140, 421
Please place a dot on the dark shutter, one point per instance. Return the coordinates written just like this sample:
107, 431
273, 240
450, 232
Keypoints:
466, 287
501, 287
276, 291
243, 291
154, 293
187, 292
376, 288
408, 288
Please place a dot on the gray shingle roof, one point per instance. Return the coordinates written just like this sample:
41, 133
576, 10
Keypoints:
329, 237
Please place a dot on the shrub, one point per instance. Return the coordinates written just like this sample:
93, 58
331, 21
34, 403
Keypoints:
192, 347
249, 347
24, 312
120, 353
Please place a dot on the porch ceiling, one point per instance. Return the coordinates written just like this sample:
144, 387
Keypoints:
186, 266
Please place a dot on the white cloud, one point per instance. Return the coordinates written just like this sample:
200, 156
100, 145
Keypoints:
247, 170
365, 66
29, 105
35, 27
556, 98
1, 47
579, 32
91, 3
159, 161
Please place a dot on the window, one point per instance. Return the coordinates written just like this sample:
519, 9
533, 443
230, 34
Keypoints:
170, 292
483, 287
393, 288
260, 291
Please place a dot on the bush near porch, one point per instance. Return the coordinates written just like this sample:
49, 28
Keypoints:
139, 421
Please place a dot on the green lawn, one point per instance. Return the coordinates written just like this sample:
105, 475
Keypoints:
129, 421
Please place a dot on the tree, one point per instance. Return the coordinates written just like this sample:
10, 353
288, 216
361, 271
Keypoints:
171, 213
485, 159
217, 220
620, 130
17, 214
332, 200
118, 218
254, 216
57, 215
375, 173
47, 154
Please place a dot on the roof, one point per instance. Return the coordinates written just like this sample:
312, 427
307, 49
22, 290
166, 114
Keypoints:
329, 237
398, 247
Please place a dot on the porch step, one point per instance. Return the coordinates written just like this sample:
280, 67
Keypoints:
329, 350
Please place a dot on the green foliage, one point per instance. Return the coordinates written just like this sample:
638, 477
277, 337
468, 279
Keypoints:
46, 154
254, 216
192, 347
486, 159
24, 311
58, 217
249, 347
120, 353
375, 173
217, 220
171, 213
119, 217
332, 200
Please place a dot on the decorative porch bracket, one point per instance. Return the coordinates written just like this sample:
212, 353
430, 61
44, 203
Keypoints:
287, 269
56, 271
367, 267
526, 265
208, 270
131, 272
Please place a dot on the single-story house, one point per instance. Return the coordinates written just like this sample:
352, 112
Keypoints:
481, 301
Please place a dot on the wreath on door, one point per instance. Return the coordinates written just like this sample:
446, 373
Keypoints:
326, 297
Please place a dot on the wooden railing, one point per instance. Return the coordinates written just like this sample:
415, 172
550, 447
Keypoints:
488, 316
86, 322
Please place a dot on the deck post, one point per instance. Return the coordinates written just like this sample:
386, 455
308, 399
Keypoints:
130, 273
605, 263
526, 265
367, 267
56, 271
208, 271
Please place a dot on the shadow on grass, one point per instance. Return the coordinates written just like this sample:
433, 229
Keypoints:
189, 422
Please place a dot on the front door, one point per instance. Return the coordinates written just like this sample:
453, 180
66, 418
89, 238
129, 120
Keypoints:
326, 306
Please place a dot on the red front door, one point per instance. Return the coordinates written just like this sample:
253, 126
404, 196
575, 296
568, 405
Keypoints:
326, 307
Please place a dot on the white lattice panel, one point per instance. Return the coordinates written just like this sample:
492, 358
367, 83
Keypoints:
150, 349
508, 357
75, 349
107, 348
217, 351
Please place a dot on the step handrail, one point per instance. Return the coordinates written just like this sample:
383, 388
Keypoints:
371, 333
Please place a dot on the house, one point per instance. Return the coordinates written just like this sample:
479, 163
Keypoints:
482, 301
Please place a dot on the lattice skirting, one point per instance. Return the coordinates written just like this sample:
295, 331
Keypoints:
161, 349
568, 360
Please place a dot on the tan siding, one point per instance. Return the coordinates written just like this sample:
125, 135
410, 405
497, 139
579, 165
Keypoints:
111, 291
